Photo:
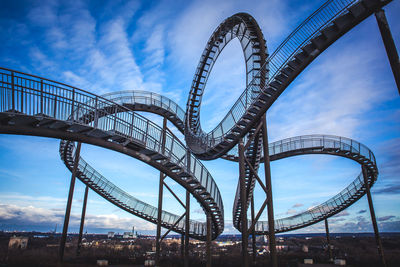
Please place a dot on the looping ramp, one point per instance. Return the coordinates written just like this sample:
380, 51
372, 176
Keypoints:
31, 105
327, 24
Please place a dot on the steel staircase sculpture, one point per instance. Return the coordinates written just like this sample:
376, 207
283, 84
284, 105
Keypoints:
301, 145
32, 105
319, 144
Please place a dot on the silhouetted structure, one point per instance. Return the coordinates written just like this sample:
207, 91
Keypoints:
32, 105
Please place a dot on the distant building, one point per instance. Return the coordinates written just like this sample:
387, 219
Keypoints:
129, 235
340, 262
308, 261
111, 234
282, 248
261, 239
18, 242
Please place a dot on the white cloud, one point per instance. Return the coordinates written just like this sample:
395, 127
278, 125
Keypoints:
43, 14
330, 97
40, 59
33, 215
155, 47
342, 214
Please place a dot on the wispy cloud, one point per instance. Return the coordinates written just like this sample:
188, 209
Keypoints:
342, 214
391, 189
297, 205
386, 218
308, 108
31, 215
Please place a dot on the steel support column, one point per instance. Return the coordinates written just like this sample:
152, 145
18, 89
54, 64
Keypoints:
187, 226
328, 240
208, 243
160, 200
159, 214
373, 217
78, 249
390, 46
182, 246
268, 184
69, 203
243, 198
253, 232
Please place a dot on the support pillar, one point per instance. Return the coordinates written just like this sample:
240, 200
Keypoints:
373, 217
182, 246
187, 227
328, 240
78, 249
390, 46
270, 207
159, 214
69, 203
160, 200
208, 244
253, 232
243, 198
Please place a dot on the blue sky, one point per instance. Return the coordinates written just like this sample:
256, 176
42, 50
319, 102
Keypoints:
105, 46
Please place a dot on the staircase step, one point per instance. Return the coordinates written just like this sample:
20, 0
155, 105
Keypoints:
344, 20
357, 9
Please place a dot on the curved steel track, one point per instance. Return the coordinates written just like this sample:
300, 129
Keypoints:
301, 145
32, 105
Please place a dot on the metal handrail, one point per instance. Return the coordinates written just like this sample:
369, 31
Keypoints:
135, 97
326, 143
94, 178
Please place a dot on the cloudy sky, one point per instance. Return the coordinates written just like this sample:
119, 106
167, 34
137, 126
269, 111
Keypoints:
105, 46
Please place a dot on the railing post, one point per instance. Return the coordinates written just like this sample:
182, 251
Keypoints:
268, 184
243, 205
373, 218
115, 118
55, 107
69, 203
22, 98
41, 96
73, 104
78, 249
12, 91
131, 126
146, 133
390, 46
96, 113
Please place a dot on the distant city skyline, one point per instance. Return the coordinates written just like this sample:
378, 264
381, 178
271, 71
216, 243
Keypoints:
106, 46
